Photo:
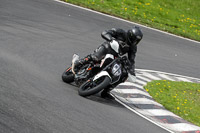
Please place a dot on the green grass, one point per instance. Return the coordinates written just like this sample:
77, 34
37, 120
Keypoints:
181, 17
181, 98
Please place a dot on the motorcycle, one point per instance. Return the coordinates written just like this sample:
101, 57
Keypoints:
93, 78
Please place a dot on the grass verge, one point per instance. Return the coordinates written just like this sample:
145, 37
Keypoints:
180, 17
181, 98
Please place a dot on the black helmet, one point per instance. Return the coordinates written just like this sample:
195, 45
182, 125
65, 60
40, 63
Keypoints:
134, 35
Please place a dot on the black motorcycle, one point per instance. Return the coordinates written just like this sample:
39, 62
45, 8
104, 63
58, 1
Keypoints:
92, 78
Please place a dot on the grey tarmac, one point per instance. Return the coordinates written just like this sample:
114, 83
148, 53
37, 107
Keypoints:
37, 40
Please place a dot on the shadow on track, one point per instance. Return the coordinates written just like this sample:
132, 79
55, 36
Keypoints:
106, 101
99, 99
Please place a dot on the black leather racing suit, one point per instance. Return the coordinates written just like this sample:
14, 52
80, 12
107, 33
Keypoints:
121, 36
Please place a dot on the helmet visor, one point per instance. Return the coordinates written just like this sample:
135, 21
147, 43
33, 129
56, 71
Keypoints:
132, 39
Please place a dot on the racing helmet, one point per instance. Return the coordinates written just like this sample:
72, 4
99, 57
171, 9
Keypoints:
134, 35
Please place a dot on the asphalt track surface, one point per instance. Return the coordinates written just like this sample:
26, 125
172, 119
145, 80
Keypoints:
37, 40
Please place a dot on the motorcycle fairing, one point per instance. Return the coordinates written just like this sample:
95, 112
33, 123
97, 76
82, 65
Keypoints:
101, 74
115, 46
105, 58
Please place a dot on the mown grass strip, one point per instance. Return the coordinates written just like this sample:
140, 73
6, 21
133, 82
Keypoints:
181, 98
181, 17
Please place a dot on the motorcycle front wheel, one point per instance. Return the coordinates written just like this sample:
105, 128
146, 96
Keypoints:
68, 76
91, 87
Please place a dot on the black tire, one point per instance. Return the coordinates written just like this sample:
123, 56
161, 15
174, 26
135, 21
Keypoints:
68, 76
101, 84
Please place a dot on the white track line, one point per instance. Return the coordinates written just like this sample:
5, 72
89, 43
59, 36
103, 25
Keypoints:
143, 78
151, 76
142, 101
177, 75
157, 112
132, 84
180, 127
183, 79
125, 21
131, 91
166, 77
141, 115
141, 82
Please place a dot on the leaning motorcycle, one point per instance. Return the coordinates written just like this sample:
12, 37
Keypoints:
93, 78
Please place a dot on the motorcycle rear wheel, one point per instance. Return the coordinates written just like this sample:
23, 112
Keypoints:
91, 87
68, 76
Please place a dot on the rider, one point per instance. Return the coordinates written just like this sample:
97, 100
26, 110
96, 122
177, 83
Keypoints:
127, 40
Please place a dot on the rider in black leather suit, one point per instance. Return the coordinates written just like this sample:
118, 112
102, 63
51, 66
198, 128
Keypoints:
127, 40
